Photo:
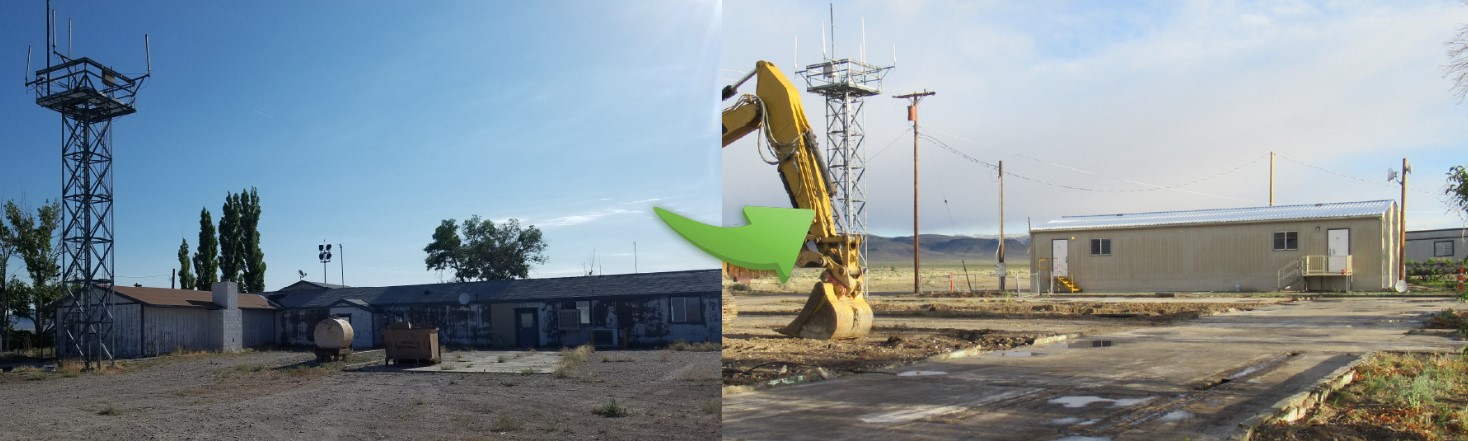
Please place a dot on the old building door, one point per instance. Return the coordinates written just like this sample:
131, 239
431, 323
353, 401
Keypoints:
527, 328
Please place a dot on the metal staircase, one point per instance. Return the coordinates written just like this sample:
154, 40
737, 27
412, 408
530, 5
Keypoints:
1070, 285
1291, 277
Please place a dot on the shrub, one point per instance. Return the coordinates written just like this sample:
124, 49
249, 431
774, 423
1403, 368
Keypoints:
506, 424
611, 409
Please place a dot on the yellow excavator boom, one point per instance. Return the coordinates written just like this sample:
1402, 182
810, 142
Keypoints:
837, 307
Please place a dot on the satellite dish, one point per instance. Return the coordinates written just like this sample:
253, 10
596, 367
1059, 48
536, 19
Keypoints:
464, 298
1400, 286
1391, 175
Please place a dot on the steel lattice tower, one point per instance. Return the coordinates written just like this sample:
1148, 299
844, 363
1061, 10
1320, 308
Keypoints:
845, 83
88, 95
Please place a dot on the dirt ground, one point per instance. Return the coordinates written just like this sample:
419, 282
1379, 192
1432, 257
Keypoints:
911, 328
280, 395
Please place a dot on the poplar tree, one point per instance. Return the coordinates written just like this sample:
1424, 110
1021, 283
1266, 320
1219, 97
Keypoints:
206, 258
185, 275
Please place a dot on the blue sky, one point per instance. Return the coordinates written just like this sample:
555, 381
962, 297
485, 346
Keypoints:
1124, 97
365, 123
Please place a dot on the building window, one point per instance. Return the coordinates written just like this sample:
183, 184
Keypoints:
1442, 248
1286, 241
687, 309
585, 308
1100, 247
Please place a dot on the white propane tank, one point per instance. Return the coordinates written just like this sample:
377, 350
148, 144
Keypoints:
333, 333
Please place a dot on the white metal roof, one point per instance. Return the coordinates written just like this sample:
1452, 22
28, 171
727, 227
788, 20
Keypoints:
1218, 216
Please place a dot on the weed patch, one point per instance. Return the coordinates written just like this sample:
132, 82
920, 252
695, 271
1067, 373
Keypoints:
506, 424
611, 409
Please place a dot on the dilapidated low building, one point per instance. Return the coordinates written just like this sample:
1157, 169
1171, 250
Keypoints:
155, 321
623, 310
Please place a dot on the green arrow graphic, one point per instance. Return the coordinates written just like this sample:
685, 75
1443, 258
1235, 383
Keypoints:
771, 241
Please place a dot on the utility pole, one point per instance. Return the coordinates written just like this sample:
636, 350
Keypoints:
634, 257
342, 250
912, 115
1271, 178
1402, 219
1000, 267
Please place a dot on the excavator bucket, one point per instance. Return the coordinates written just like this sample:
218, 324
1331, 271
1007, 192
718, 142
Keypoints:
829, 317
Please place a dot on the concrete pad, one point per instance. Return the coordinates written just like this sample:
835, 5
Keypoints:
1195, 380
501, 362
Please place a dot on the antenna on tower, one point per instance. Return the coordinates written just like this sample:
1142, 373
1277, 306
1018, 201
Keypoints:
863, 47
89, 96
845, 83
148, 54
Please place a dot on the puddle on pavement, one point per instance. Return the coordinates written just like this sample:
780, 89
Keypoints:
1083, 401
1064, 421
920, 373
1176, 415
1085, 438
1091, 344
1017, 354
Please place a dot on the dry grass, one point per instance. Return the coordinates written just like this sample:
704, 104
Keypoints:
572, 359
1395, 396
506, 424
611, 409
897, 277
706, 346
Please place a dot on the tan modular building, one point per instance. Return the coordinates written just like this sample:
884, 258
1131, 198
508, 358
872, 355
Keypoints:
1311, 247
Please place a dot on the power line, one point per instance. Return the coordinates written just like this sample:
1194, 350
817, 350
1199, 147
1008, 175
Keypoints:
1351, 177
1130, 181
945, 146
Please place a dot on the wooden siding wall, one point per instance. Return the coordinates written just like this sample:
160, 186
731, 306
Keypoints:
168, 330
258, 328
1221, 257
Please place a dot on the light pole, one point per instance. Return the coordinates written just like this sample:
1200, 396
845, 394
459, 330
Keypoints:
324, 253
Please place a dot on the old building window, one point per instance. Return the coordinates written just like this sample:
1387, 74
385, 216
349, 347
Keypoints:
1442, 248
1286, 241
574, 315
687, 310
585, 308
1100, 247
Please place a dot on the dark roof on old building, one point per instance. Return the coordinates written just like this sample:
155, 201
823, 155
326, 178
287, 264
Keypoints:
497, 291
306, 284
186, 298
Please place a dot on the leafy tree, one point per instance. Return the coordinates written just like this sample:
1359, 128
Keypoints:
230, 260
206, 257
7, 249
240, 257
32, 237
185, 276
253, 257
1457, 190
485, 250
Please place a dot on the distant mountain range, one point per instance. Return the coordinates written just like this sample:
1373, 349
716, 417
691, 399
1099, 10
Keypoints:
945, 248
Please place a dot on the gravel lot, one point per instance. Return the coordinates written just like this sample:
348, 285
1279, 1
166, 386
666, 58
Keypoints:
282, 395
911, 328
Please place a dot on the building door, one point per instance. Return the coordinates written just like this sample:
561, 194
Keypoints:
1338, 249
1059, 257
527, 328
